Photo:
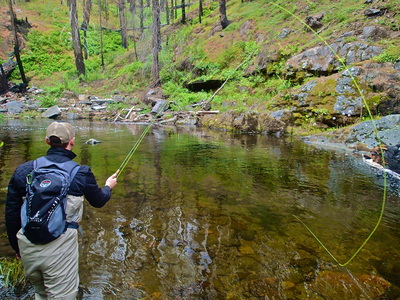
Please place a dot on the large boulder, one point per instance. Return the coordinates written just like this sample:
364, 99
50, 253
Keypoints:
324, 60
249, 122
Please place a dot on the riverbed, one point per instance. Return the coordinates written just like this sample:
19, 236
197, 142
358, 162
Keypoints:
202, 214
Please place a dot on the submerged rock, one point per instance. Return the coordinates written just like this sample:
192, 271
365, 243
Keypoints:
92, 142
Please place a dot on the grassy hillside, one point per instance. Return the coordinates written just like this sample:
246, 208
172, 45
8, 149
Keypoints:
190, 52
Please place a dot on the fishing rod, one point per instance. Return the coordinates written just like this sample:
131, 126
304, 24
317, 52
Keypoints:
138, 141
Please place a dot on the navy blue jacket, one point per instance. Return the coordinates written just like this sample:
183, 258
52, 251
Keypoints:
83, 184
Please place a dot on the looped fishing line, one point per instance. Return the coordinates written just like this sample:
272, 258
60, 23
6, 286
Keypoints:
383, 204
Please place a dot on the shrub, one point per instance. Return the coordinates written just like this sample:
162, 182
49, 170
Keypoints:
391, 54
11, 273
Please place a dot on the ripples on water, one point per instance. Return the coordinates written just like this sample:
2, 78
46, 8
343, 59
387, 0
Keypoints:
199, 214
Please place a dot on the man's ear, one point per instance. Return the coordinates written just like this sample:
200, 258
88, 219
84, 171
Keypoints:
47, 141
72, 142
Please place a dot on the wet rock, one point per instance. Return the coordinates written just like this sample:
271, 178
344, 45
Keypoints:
187, 120
267, 288
246, 250
244, 122
343, 286
388, 128
92, 142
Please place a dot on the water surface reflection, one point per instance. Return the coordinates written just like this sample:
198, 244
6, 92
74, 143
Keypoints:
199, 214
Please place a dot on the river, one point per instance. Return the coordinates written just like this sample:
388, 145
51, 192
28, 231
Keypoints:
202, 214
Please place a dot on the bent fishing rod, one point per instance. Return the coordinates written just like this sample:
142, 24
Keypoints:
139, 140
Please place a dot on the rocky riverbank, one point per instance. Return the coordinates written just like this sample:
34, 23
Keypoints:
359, 137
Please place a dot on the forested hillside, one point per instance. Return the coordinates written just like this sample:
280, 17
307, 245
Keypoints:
273, 64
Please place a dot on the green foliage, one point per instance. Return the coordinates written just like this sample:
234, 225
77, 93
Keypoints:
289, 50
391, 54
131, 69
182, 97
47, 100
1, 144
11, 273
48, 53
111, 42
117, 106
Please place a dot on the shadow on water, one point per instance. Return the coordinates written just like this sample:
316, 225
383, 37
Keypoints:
199, 214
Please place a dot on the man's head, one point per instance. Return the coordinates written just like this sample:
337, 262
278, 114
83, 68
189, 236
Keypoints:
60, 134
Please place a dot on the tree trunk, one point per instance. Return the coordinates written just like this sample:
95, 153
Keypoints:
200, 10
132, 6
122, 20
101, 34
80, 65
3, 80
16, 44
141, 15
183, 20
167, 12
87, 7
222, 14
156, 28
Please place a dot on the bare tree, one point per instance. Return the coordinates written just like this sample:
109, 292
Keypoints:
173, 10
167, 12
76, 39
200, 10
101, 34
183, 4
156, 28
122, 20
87, 7
16, 44
141, 15
222, 14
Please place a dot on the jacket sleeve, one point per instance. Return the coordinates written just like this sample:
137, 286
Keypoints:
86, 183
16, 192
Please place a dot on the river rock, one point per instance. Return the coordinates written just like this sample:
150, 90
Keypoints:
69, 95
388, 128
343, 286
15, 107
159, 107
187, 120
52, 112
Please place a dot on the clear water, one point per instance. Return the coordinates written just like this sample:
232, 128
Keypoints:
201, 214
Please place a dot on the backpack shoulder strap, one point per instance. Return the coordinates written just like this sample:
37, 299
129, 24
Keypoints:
70, 166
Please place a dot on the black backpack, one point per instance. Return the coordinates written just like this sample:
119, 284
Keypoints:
43, 211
